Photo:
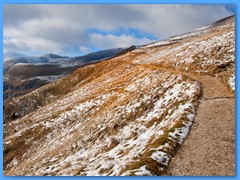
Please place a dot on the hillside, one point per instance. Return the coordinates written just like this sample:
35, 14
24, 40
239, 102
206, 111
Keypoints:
128, 115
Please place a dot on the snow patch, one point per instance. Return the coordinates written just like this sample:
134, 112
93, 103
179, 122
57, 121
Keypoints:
231, 82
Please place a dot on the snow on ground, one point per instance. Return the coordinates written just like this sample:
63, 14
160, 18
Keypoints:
49, 78
159, 43
231, 82
198, 55
106, 134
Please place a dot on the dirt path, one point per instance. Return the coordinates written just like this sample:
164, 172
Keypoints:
209, 148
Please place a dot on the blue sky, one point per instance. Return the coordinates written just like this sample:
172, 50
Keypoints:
74, 30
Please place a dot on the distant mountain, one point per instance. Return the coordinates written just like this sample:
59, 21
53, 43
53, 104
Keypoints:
54, 56
96, 56
24, 74
48, 58
57, 59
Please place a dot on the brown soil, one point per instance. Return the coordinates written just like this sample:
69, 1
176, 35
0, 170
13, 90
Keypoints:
209, 148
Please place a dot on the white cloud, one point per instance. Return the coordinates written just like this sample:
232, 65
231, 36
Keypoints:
65, 28
84, 49
13, 45
10, 55
114, 41
167, 20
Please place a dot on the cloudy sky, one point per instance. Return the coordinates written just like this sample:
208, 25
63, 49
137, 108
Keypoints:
74, 30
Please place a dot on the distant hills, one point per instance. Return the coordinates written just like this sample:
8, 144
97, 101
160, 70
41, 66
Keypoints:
24, 74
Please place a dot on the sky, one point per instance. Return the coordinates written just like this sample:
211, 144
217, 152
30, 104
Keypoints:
78, 29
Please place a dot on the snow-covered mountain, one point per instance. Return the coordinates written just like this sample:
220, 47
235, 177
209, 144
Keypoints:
24, 74
57, 59
48, 58
124, 116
